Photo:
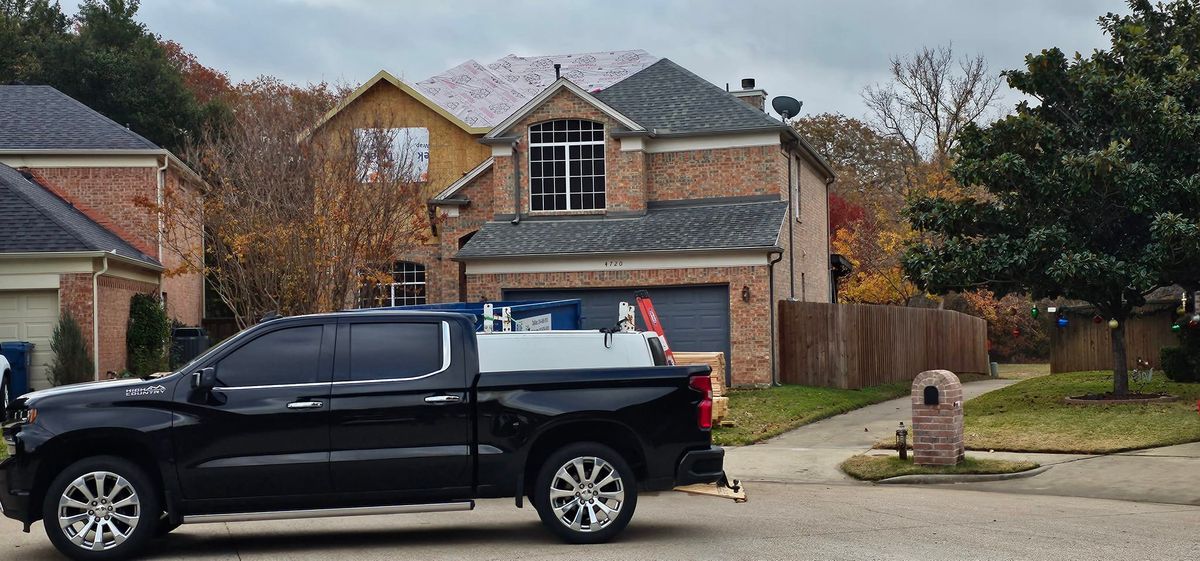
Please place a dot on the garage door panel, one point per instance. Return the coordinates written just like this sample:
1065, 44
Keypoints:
30, 316
695, 318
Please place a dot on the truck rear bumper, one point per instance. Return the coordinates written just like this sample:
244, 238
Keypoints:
701, 466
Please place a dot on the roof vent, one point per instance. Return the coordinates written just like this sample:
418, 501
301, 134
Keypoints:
747, 83
557, 71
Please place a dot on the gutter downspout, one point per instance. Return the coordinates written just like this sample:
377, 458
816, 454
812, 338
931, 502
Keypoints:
829, 242
516, 159
793, 194
160, 176
96, 318
771, 302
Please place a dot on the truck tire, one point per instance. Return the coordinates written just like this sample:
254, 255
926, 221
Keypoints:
101, 508
586, 493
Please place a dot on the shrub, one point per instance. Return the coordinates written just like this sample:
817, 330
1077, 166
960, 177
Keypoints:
1180, 365
147, 335
71, 363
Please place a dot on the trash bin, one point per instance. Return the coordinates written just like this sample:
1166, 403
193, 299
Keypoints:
187, 343
20, 357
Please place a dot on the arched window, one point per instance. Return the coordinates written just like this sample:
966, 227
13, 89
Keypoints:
407, 288
566, 165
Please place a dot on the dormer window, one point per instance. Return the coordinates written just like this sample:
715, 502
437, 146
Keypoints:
566, 165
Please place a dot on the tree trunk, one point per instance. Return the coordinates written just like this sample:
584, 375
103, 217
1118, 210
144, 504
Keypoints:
1120, 359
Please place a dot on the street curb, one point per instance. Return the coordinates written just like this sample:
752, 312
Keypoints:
963, 478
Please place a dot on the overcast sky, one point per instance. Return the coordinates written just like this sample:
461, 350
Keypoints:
822, 52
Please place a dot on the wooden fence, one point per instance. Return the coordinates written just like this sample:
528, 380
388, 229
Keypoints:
1085, 345
858, 345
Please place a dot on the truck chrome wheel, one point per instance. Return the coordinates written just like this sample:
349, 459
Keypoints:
586, 494
98, 511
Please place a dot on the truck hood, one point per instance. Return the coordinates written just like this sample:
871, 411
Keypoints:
31, 398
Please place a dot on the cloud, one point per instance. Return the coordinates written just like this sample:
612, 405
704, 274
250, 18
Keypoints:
821, 52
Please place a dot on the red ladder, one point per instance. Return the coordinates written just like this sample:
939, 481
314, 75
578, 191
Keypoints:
650, 317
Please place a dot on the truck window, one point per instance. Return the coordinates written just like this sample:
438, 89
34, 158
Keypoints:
286, 356
384, 351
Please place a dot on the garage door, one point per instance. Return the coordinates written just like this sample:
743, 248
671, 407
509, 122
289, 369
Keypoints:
30, 316
695, 318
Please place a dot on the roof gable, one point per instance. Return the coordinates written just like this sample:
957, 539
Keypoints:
560, 85
387, 77
668, 98
32, 219
43, 118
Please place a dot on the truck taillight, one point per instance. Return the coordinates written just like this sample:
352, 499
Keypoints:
703, 384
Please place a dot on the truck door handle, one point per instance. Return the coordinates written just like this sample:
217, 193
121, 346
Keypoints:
443, 399
304, 404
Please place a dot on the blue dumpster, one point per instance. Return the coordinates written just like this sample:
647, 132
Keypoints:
20, 357
529, 315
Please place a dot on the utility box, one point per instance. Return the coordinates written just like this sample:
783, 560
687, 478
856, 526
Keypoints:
937, 419
187, 343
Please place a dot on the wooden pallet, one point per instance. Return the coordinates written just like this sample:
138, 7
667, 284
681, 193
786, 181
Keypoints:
715, 361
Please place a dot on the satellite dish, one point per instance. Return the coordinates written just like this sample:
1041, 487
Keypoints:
786, 106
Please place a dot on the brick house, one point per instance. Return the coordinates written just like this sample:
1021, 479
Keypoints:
81, 243
659, 181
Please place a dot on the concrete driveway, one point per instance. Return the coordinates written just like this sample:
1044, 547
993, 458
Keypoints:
802, 522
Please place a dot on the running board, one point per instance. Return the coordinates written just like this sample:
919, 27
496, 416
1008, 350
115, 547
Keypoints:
328, 512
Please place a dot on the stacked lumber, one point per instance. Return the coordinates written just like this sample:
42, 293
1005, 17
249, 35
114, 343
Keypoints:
715, 361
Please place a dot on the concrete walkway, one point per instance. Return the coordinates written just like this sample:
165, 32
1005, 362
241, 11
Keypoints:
812, 453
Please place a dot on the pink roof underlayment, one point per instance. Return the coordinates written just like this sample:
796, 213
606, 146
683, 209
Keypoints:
483, 96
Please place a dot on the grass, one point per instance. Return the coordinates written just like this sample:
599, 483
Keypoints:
759, 414
1023, 371
874, 468
1030, 416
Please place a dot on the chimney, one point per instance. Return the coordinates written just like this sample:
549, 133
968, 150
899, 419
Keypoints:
753, 97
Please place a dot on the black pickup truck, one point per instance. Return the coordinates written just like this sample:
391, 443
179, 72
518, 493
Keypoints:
346, 414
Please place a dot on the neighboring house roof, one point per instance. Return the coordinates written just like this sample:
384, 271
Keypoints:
667, 98
34, 220
700, 227
385, 76
558, 85
43, 118
484, 96
451, 190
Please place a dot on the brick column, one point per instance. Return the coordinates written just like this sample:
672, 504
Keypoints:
937, 419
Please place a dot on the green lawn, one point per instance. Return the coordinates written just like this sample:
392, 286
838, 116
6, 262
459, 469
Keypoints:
874, 468
758, 414
1030, 416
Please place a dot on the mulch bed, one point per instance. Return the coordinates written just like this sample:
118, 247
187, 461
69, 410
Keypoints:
1109, 398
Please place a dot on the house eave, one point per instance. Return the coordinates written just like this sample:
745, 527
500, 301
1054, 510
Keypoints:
691, 251
27, 255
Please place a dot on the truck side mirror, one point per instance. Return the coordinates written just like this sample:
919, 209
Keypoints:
205, 379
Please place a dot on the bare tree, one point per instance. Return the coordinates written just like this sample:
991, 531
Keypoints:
297, 223
930, 98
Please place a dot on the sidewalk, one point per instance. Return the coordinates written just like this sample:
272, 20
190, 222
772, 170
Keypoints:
812, 453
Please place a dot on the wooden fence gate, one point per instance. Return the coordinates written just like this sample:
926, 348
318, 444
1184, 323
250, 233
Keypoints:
854, 346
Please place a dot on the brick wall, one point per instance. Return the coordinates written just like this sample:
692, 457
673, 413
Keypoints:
625, 181
722, 172
75, 296
750, 326
113, 304
184, 286
106, 195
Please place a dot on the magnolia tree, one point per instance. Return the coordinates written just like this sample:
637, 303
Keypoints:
296, 221
1092, 191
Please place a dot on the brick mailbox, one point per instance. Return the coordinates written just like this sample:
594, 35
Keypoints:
937, 418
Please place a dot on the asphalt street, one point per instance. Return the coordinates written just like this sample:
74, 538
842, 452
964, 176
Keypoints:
781, 521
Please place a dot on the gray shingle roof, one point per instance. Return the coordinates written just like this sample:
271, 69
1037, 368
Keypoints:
668, 97
43, 118
33, 219
723, 226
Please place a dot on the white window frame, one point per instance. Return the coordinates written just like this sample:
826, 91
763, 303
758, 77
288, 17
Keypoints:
602, 143
398, 271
